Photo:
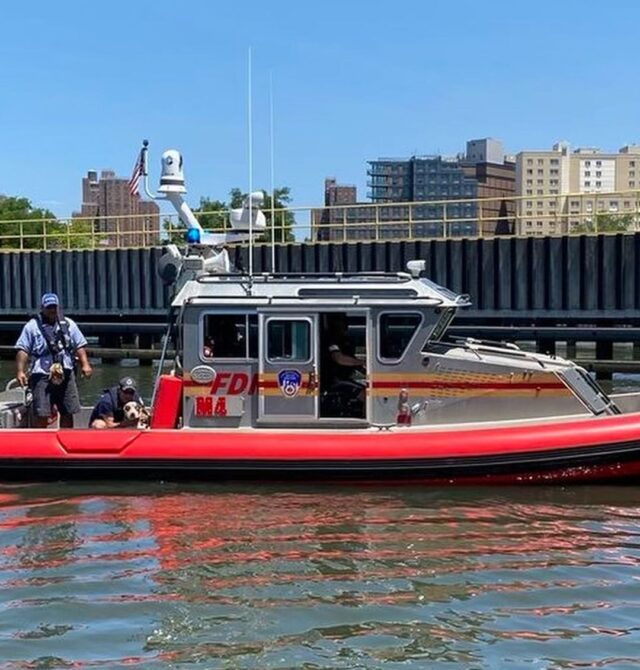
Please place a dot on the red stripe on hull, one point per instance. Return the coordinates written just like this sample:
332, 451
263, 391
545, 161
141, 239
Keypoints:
524, 444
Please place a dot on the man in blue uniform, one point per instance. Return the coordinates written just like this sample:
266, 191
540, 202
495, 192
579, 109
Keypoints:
47, 348
109, 410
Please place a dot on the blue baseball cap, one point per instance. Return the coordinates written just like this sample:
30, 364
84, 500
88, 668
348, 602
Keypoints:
50, 300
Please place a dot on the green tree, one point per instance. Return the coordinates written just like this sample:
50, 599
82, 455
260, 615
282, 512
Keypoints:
214, 215
284, 218
606, 222
22, 226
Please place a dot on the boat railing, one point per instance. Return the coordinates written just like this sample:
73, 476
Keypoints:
347, 299
480, 347
293, 277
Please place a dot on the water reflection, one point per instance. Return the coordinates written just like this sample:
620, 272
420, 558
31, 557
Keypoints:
108, 575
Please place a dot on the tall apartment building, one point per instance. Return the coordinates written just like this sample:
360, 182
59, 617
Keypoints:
125, 220
580, 184
482, 172
452, 184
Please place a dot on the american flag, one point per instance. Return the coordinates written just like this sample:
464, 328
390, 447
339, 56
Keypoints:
135, 175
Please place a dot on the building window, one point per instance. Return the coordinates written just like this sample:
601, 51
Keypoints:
554, 161
632, 173
598, 163
529, 171
598, 184
529, 203
540, 191
540, 171
540, 161
587, 163
529, 161
587, 173
598, 173
554, 172
530, 191
587, 183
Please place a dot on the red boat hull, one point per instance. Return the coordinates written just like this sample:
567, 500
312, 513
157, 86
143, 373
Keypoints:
584, 450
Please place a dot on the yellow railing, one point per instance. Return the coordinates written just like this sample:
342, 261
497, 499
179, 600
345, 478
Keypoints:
548, 214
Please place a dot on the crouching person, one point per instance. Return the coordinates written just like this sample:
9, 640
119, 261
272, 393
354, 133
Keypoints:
118, 407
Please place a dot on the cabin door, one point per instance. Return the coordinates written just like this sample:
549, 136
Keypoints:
288, 387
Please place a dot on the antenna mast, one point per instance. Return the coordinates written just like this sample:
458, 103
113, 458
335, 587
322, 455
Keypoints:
273, 188
250, 135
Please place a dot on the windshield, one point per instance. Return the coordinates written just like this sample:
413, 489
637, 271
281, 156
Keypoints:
442, 325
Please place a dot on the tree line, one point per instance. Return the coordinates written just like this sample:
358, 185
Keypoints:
24, 226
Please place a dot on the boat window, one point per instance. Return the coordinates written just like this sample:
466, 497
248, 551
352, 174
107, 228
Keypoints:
395, 333
288, 340
442, 325
230, 336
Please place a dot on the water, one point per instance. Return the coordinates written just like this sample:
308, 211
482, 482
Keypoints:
159, 576
162, 576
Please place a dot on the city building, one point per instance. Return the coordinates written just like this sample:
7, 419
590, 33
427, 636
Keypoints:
482, 172
562, 189
122, 219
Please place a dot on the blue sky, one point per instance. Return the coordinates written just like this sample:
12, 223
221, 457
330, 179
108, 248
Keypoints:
82, 83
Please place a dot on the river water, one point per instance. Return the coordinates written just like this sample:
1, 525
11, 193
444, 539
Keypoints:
158, 575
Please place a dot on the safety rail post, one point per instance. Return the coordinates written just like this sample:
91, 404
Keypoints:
410, 221
44, 234
481, 220
21, 235
68, 236
377, 225
445, 222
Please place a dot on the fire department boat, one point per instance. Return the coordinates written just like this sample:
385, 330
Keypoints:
252, 391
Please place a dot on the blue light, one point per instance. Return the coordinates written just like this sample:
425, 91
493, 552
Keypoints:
192, 236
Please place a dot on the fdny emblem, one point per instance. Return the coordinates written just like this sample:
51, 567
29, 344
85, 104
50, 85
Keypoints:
289, 382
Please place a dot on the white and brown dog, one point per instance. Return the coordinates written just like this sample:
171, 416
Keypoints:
56, 374
135, 412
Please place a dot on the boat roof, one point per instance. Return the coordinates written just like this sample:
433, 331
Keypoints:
330, 289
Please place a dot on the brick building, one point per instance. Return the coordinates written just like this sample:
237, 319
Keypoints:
124, 219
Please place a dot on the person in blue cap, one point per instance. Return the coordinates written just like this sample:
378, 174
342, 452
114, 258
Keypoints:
109, 410
48, 347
